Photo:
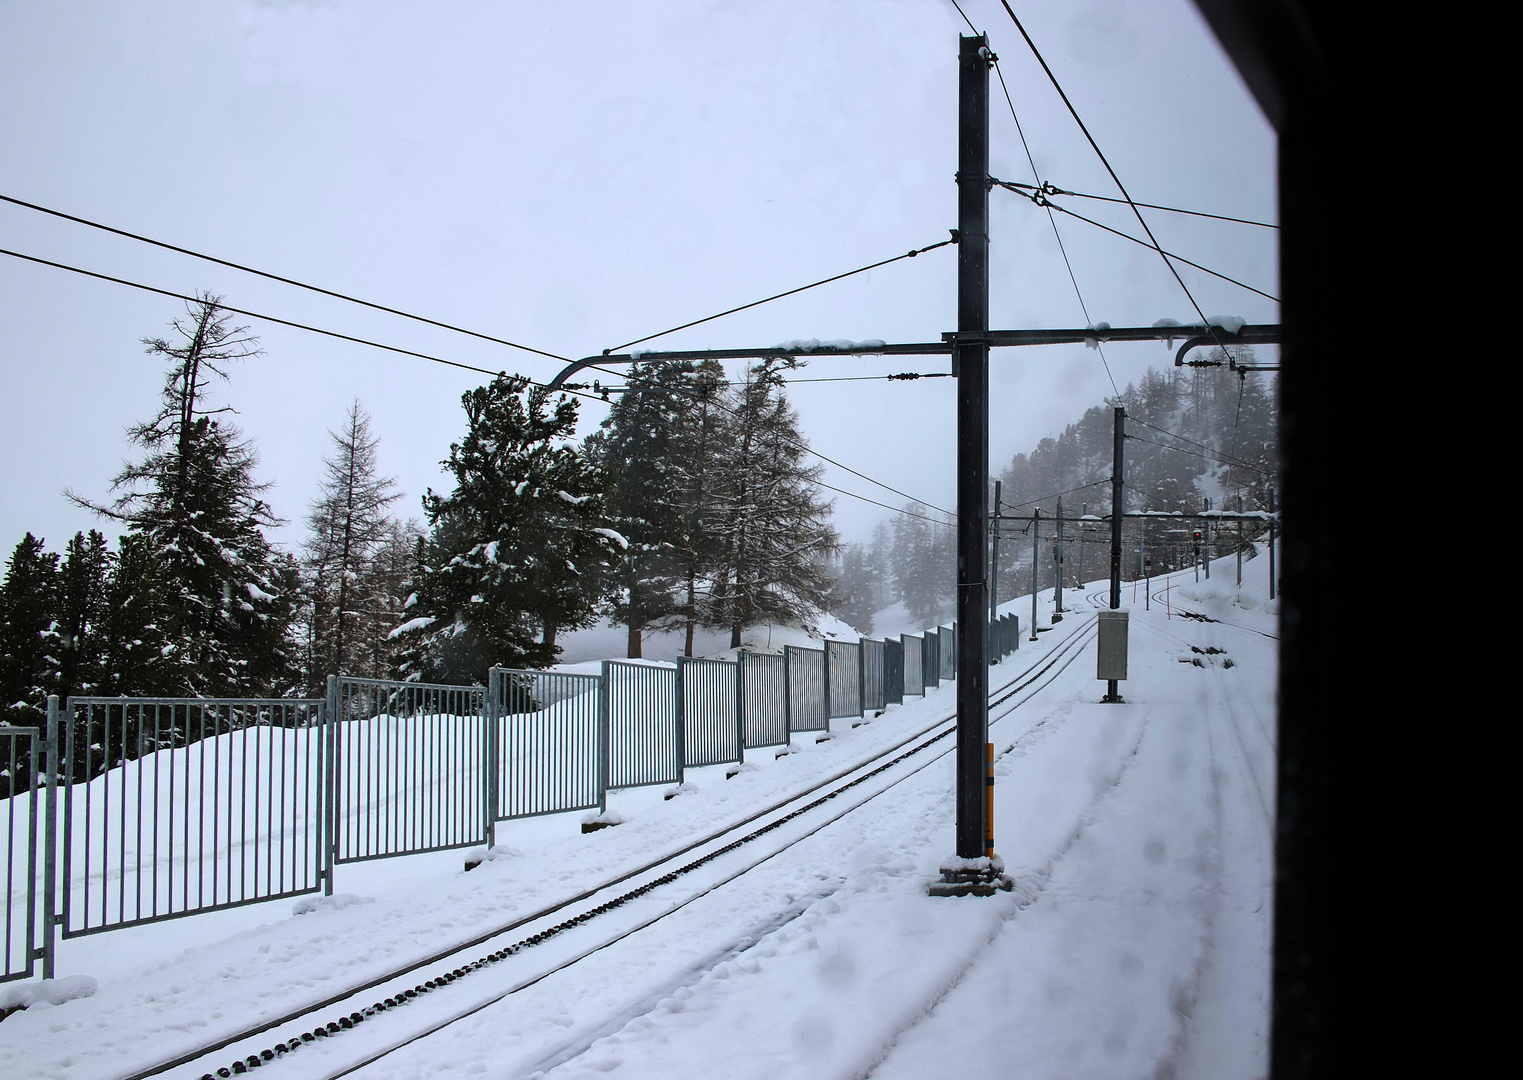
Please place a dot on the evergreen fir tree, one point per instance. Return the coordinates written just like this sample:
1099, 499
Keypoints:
83, 581
517, 550
194, 500
30, 644
347, 524
650, 450
772, 525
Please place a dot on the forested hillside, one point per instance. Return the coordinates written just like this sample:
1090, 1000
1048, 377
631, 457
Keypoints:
1196, 438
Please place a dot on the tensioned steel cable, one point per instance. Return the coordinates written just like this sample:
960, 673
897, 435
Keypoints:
1052, 78
1040, 198
1049, 188
408, 352
1088, 321
1182, 438
757, 303
277, 277
1203, 457
806, 449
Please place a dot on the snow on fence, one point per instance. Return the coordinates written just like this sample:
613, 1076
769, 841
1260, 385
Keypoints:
134, 810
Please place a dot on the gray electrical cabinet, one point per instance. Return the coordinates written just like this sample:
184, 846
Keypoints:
1111, 655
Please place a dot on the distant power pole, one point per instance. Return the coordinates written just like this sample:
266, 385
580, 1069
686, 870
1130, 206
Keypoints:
1057, 567
1083, 532
1240, 542
1036, 562
1117, 454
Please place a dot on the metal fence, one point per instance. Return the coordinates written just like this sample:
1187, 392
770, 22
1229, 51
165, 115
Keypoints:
191, 805
893, 671
843, 678
20, 764
410, 767
764, 698
914, 664
710, 711
173, 806
548, 741
947, 651
806, 688
874, 681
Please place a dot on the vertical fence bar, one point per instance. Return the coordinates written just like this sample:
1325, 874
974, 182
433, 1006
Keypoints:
50, 844
681, 709
491, 756
787, 702
328, 765
740, 705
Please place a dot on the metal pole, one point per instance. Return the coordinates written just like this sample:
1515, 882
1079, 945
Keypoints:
1239, 543
972, 359
50, 845
1117, 453
1206, 528
1036, 561
994, 558
330, 785
1057, 566
1083, 532
1112, 691
1271, 543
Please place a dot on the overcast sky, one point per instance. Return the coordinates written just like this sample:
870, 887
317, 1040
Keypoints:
573, 176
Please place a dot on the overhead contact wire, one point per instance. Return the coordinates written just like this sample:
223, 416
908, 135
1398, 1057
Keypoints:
277, 277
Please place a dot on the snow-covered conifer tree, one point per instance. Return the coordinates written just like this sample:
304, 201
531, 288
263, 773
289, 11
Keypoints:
517, 551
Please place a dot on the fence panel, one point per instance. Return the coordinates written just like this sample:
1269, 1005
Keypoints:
914, 664
845, 678
710, 721
643, 742
764, 698
874, 676
20, 764
806, 689
411, 767
184, 805
930, 655
549, 742
893, 671
947, 651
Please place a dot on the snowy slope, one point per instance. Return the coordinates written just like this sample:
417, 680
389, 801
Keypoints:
1135, 943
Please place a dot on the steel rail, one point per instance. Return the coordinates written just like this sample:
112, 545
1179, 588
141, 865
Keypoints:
1067, 651
1011, 687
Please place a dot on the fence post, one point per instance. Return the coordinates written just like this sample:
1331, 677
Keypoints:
740, 705
681, 715
605, 711
787, 697
330, 809
493, 753
49, 844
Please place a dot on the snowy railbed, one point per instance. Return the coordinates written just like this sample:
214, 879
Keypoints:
1136, 936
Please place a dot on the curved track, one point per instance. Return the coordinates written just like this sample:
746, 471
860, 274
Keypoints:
808, 811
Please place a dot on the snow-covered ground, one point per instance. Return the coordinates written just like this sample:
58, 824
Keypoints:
1135, 943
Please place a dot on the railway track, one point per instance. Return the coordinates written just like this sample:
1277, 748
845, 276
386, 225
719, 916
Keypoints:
571, 930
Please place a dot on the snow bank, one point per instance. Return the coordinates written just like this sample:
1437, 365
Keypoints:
45, 992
